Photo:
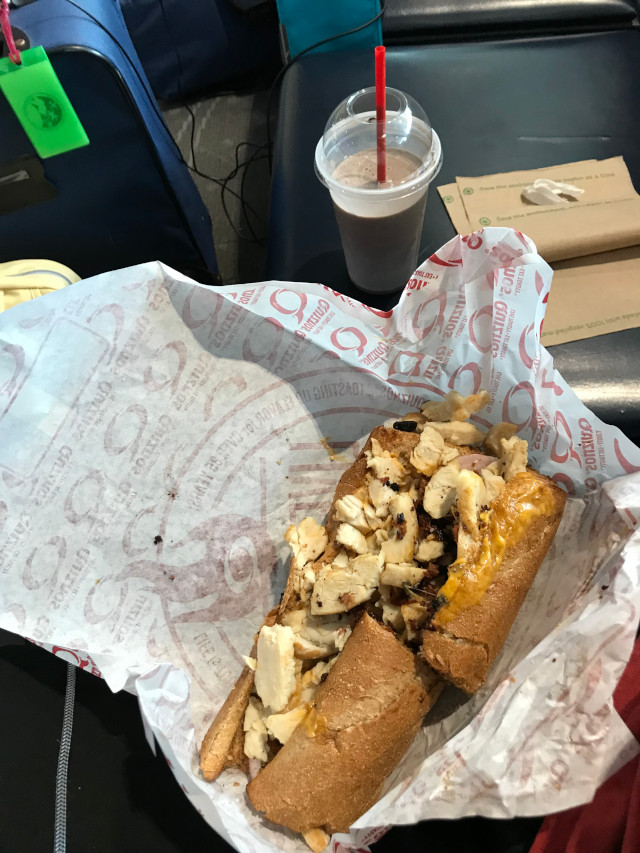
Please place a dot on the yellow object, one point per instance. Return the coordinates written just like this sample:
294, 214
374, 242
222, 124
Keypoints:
24, 280
525, 499
315, 723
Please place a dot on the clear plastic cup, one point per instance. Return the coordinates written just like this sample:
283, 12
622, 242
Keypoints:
380, 225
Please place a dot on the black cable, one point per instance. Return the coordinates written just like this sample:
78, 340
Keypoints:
254, 145
295, 58
151, 97
192, 144
223, 183
245, 205
255, 157
244, 202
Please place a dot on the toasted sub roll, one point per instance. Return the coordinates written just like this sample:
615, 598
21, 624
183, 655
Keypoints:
366, 714
468, 632
430, 545
223, 744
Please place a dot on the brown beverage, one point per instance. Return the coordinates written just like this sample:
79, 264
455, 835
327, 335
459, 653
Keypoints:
381, 251
380, 224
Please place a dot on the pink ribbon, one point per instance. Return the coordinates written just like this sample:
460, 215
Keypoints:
14, 53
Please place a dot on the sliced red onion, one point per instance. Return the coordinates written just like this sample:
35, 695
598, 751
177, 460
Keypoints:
475, 461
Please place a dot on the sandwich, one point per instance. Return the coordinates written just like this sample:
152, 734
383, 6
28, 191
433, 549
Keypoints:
433, 538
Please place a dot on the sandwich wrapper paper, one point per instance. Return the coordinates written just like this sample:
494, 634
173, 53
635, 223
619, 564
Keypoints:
158, 436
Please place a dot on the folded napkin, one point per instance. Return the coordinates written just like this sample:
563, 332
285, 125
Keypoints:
610, 823
592, 241
606, 216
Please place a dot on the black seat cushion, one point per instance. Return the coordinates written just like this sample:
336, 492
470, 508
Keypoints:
420, 20
497, 106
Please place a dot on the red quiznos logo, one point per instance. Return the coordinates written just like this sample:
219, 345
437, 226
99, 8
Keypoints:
627, 466
525, 358
429, 315
564, 438
80, 659
172, 359
200, 308
109, 316
16, 354
480, 325
472, 368
473, 241
565, 481
522, 390
289, 303
349, 338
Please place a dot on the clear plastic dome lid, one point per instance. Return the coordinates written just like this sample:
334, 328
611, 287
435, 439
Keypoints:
413, 150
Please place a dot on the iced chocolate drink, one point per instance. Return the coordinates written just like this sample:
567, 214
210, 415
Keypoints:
380, 224
361, 169
381, 251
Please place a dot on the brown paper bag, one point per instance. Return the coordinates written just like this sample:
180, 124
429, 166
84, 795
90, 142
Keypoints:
593, 244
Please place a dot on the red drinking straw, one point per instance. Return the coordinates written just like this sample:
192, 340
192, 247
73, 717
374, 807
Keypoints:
381, 113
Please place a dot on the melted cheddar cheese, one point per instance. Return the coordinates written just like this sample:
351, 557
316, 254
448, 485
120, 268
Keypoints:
314, 723
526, 498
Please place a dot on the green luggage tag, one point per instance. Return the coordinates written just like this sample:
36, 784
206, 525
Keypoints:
40, 103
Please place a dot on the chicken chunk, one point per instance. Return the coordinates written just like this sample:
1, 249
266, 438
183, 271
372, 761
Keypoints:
397, 574
341, 559
471, 497
428, 549
399, 546
304, 582
380, 495
441, 490
316, 636
351, 509
307, 541
275, 678
458, 432
514, 456
339, 590
311, 679
449, 454
493, 484
352, 539
455, 407
317, 839
426, 455
282, 726
387, 467
255, 730
391, 613
496, 434
414, 615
